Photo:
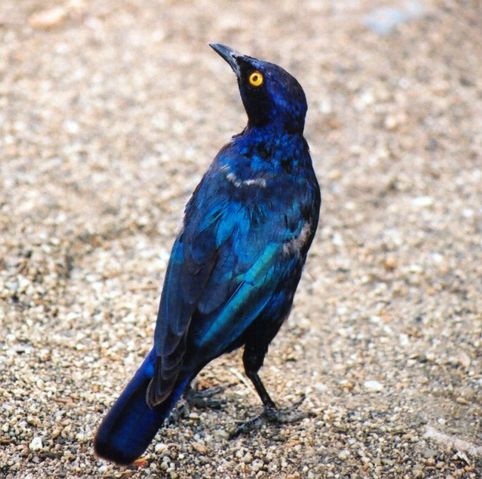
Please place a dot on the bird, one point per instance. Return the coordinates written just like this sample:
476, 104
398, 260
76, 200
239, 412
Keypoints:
235, 264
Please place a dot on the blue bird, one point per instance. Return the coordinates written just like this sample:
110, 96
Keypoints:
236, 263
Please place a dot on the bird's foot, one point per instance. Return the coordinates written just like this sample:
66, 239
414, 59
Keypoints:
203, 399
271, 415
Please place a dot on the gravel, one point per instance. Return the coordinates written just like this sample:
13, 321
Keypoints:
109, 114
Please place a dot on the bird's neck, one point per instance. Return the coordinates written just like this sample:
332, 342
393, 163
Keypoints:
272, 134
278, 124
274, 145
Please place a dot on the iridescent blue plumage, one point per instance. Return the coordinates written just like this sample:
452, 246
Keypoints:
237, 261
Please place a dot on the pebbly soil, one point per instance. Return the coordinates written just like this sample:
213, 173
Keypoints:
109, 114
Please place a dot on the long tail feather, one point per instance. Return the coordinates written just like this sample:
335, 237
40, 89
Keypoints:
130, 425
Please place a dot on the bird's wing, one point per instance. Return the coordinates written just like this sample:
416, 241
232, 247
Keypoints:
254, 290
224, 268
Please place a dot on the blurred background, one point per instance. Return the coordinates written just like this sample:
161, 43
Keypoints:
111, 111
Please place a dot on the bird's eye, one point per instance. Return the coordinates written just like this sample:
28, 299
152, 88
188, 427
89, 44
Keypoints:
256, 79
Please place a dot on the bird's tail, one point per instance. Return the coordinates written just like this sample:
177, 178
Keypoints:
131, 424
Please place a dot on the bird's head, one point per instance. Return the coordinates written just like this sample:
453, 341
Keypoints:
271, 96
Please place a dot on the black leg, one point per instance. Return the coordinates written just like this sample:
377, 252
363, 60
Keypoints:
253, 360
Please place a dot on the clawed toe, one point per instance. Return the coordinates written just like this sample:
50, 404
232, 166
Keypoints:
205, 403
203, 399
271, 415
181, 410
197, 399
248, 426
208, 392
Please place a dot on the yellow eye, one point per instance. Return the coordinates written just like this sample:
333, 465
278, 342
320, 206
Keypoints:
256, 79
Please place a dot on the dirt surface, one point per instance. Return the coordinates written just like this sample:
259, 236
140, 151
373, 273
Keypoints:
109, 114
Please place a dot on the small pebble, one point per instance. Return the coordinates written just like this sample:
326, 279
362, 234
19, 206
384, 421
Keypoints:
373, 385
47, 19
36, 444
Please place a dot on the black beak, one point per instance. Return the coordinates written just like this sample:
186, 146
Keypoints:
230, 55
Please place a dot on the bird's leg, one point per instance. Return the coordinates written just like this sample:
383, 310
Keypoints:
253, 361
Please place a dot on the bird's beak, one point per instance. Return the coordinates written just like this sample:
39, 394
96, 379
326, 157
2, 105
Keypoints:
230, 55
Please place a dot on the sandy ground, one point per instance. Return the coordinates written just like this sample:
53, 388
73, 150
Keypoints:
109, 114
